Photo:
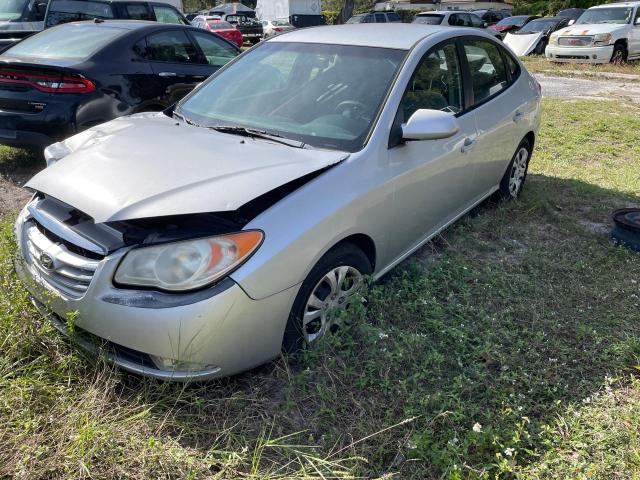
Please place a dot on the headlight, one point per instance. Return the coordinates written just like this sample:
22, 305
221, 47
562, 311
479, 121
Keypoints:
553, 39
187, 265
602, 39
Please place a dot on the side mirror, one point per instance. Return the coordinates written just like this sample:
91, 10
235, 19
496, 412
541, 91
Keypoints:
430, 125
485, 24
571, 22
638, 21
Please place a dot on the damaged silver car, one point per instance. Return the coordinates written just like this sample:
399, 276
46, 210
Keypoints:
199, 242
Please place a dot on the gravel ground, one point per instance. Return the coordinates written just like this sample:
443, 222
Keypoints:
583, 88
16, 167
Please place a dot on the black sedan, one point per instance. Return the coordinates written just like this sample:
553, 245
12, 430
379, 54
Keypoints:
73, 76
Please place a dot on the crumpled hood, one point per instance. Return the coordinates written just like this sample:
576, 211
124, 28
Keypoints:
589, 29
522, 45
150, 165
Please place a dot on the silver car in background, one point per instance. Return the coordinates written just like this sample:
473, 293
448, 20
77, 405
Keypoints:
199, 242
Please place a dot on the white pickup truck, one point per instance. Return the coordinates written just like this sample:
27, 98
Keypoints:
602, 34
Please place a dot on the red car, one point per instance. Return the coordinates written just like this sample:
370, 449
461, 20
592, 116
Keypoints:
219, 26
512, 24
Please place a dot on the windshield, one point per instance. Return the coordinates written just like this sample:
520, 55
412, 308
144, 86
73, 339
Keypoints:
75, 42
11, 10
327, 96
517, 21
429, 19
538, 26
357, 19
606, 15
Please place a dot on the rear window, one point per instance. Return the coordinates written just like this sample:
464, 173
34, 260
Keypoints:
73, 42
219, 25
63, 11
429, 19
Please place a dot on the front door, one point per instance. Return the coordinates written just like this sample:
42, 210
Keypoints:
432, 177
634, 36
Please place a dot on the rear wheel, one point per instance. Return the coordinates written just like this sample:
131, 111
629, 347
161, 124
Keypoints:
516, 174
324, 296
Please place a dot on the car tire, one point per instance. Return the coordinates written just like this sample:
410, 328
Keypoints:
346, 261
513, 180
620, 54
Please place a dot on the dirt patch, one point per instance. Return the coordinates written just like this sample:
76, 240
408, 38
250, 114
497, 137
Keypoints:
16, 168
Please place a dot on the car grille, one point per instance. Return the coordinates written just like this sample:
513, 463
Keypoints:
580, 41
56, 265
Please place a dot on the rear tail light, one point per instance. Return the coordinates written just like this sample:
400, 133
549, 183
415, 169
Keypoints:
277, 29
48, 83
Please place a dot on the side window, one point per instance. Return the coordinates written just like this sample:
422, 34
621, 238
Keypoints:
140, 49
436, 84
381, 18
635, 21
137, 11
216, 51
167, 15
488, 74
454, 19
512, 65
172, 46
393, 17
466, 20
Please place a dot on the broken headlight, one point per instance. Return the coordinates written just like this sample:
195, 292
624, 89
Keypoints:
602, 39
187, 265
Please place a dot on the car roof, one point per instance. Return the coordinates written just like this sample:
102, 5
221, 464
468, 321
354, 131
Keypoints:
617, 4
123, 24
400, 36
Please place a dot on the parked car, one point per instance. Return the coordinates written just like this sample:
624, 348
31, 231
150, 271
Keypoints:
450, 18
572, 14
492, 16
250, 28
219, 26
71, 77
603, 34
65, 11
200, 241
534, 36
19, 19
276, 27
375, 17
512, 24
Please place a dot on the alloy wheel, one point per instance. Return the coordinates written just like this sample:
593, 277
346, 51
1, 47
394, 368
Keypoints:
518, 171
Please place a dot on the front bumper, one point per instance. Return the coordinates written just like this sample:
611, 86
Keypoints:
579, 54
217, 332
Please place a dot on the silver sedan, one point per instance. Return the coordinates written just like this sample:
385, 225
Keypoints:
201, 241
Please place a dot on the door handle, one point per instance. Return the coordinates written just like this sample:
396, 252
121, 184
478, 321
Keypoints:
468, 144
518, 116
167, 74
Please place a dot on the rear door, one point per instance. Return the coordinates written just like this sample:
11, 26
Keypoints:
177, 63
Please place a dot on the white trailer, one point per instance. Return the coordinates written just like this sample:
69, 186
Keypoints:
301, 13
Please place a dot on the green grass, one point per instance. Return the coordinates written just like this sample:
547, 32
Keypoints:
522, 320
539, 64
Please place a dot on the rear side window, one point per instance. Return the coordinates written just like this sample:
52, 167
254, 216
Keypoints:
216, 51
512, 65
63, 11
167, 15
381, 18
137, 11
172, 47
74, 42
488, 73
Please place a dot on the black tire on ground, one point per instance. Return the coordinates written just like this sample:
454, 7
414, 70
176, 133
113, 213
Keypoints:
626, 230
507, 190
345, 254
620, 53
626, 238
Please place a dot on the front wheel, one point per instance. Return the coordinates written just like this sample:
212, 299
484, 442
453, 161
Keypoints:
516, 174
324, 296
619, 54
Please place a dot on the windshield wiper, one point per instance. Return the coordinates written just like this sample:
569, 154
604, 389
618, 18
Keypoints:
179, 116
255, 133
